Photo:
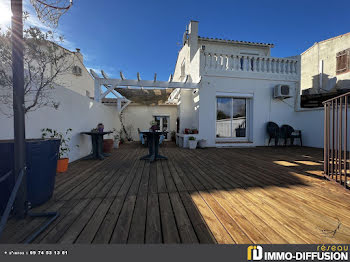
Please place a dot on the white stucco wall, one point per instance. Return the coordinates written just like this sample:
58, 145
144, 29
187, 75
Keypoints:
83, 84
263, 107
324, 52
75, 111
140, 116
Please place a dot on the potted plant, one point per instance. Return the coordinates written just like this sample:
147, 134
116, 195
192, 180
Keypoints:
154, 126
195, 131
192, 142
63, 160
116, 136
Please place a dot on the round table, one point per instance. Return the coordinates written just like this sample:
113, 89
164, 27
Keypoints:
153, 145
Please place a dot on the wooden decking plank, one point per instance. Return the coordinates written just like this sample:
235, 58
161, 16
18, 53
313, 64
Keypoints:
20, 231
143, 190
242, 231
153, 224
106, 228
223, 195
121, 231
153, 176
217, 229
82, 177
88, 233
186, 231
138, 223
57, 232
229, 186
169, 228
176, 178
203, 232
75, 229
161, 185
168, 178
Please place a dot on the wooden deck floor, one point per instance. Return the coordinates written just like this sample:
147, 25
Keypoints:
243, 195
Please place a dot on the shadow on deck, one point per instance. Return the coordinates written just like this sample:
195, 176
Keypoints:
243, 195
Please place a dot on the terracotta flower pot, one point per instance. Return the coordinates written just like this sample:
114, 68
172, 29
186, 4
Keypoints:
62, 165
108, 145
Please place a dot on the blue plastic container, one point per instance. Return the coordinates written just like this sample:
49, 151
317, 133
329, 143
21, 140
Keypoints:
41, 160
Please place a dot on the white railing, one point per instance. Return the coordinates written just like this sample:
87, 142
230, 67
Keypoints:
245, 63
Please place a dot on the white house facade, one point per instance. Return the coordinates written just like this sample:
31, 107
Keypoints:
235, 98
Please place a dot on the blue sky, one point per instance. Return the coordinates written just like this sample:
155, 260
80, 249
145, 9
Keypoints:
145, 36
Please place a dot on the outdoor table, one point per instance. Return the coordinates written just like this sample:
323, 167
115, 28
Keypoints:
153, 145
97, 145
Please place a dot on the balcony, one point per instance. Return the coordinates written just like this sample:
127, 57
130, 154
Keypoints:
258, 67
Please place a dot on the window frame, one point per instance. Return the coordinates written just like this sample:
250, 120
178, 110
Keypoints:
248, 101
346, 68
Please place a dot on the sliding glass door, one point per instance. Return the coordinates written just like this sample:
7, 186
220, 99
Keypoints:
231, 118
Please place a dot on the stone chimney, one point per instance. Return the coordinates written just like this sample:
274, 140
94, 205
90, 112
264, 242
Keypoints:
193, 37
79, 55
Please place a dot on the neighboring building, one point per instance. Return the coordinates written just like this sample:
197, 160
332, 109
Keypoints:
325, 70
236, 95
78, 78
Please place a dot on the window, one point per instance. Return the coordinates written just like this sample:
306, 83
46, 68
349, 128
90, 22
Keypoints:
77, 71
183, 68
343, 61
231, 117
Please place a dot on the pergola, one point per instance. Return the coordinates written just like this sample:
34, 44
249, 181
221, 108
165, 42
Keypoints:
113, 84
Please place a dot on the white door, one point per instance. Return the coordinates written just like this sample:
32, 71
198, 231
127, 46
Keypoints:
164, 124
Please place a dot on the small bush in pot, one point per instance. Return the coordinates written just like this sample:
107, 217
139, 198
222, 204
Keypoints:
116, 136
192, 142
62, 162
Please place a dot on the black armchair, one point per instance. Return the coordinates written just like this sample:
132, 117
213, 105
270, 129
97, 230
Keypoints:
273, 131
288, 132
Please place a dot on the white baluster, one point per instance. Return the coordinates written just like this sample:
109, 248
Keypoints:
205, 60
213, 61
243, 62
229, 62
281, 66
238, 63
248, 68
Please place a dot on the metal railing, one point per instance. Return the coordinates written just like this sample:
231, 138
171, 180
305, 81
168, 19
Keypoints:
336, 139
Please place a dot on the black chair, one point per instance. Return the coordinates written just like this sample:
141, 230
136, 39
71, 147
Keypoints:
273, 131
288, 132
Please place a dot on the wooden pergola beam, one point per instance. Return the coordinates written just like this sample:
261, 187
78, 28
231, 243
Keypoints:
120, 83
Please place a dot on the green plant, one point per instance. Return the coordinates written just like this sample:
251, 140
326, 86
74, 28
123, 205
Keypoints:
191, 138
116, 134
63, 137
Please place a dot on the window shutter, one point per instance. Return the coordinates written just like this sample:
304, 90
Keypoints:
343, 61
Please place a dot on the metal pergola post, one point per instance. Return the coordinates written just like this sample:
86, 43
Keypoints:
20, 208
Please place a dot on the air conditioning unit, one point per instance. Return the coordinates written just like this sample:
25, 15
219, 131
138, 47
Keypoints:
282, 91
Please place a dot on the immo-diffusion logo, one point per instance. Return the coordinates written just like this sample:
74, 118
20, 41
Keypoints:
255, 253
322, 253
